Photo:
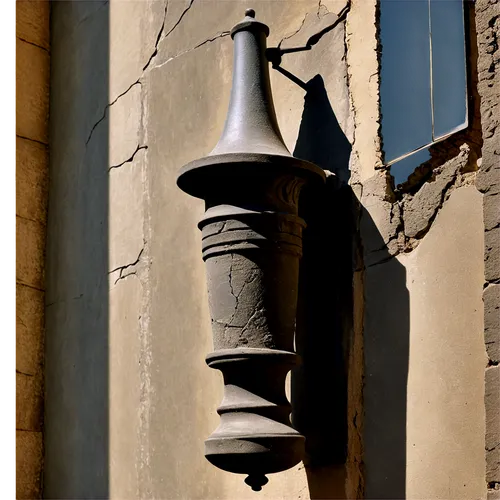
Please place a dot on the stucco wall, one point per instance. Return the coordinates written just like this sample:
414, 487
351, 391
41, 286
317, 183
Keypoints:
138, 90
421, 280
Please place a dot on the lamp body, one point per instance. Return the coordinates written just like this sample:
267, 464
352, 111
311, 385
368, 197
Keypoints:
251, 244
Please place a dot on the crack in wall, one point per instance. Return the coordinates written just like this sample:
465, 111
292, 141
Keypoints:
218, 35
62, 301
138, 82
253, 275
236, 297
158, 38
154, 54
287, 37
127, 266
316, 37
129, 160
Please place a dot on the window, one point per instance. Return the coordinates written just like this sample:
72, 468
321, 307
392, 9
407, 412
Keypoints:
423, 91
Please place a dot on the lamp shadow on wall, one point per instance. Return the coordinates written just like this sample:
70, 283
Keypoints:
325, 328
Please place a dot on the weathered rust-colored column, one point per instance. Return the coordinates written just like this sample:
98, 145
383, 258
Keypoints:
252, 243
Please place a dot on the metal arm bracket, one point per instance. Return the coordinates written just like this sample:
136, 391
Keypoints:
274, 54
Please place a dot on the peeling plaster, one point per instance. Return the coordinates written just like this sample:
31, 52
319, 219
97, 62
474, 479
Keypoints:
403, 219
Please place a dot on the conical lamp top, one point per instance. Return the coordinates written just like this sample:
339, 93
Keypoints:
251, 139
251, 125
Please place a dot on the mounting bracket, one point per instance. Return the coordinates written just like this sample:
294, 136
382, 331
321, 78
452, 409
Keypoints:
274, 54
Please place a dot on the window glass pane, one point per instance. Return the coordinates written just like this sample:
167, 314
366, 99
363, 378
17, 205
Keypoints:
448, 66
402, 169
405, 76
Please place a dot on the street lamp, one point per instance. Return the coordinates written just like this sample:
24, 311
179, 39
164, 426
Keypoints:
251, 244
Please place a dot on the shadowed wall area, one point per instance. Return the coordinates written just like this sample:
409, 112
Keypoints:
386, 353
325, 322
319, 385
76, 350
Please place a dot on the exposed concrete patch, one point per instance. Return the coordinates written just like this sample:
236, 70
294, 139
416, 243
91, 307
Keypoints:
488, 179
395, 222
420, 209
381, 220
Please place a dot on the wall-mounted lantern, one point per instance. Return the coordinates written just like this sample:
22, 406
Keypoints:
252, 243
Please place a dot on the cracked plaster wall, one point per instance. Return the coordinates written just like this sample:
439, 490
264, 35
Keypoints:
421, 279
139, 89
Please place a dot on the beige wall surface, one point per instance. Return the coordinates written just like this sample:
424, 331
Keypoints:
139, 89
445, 423
422, 280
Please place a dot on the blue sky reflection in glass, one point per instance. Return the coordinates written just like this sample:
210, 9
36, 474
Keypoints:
423, 90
